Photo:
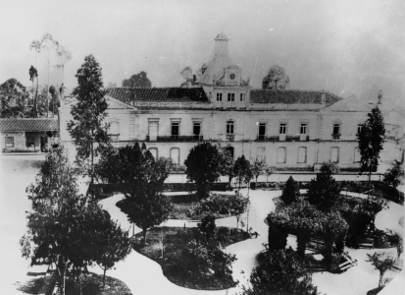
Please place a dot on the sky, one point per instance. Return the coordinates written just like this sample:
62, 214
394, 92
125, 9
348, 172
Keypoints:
343, 46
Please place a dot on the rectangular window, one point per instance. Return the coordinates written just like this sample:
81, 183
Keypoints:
262, 130
219, 96
242, 97
283, 128
196, 128
230, 128
302, 155
303, 129
281, 155
175, 128
9, 141
231, 96
175, 155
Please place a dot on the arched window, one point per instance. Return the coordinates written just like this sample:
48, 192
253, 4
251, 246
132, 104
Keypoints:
114, 128
261, 153
281, 155
357, 155
154, 152
334, 154
302, 155
175, 155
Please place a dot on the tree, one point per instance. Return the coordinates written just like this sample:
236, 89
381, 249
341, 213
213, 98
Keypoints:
57, 232
189, 78
258, 168
55, 103
237, 205
268, 171
138, 80
227, 163
291, 192
203, 166
395, 175
371, 140
34, 75
13, 98
275, 79
136, 174
112, 243
280, 272
396, 240
324, 191
243, 171
381, 262
88, 127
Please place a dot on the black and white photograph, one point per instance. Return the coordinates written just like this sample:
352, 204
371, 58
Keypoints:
229, 147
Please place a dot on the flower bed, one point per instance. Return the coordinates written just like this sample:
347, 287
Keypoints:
166, 246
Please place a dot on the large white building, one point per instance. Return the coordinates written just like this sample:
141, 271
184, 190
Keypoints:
290, 129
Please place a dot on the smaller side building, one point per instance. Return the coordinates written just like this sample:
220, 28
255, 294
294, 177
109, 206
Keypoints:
28, 135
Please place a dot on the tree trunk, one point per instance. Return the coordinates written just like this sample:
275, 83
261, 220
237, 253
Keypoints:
62, 275
144, 235
380, 281
105, 270
302, 245
35, 101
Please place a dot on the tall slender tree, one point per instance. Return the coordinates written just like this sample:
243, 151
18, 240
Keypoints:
371, 140
34, 76
88, 127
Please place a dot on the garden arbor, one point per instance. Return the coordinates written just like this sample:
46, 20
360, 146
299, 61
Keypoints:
305, 221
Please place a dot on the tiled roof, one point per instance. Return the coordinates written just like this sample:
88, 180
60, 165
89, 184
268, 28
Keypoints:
29, 125
291, 97
166, 94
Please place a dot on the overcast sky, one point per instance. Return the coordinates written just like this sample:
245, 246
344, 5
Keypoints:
343, 46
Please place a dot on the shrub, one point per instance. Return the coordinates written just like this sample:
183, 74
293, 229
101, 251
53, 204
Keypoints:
395, 175
207, 227
291, 191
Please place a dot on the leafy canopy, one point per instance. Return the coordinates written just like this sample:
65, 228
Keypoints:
140, 178
64, 229
139, 80
291, 192
88, 127
204, 166
275, 79
371, 140
280, 272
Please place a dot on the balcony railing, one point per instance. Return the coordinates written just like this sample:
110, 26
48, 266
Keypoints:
230, 137
172, 138
282, 138
336, 136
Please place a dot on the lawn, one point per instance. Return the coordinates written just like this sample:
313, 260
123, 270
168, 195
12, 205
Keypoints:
166, 244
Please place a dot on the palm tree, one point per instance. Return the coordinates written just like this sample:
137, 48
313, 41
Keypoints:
382, 262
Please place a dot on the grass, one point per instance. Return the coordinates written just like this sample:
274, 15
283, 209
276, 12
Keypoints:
166, 244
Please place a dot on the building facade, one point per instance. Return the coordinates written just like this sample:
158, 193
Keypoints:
28, 135
289, 129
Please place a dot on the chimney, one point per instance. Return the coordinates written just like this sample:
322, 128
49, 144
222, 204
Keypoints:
221, 45
379, 96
